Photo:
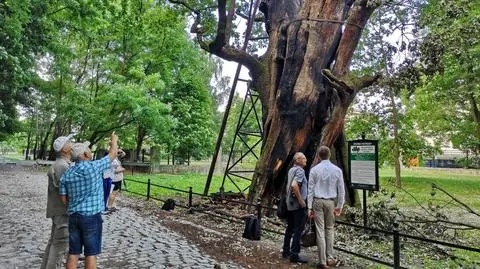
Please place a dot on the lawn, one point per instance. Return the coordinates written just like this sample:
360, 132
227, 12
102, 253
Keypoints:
418, 182
182, 182
463, 186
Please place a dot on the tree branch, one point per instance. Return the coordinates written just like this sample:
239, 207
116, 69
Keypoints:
245, 17
221, 37
469, 209
219, 46
349, 84
58, 10
358, 16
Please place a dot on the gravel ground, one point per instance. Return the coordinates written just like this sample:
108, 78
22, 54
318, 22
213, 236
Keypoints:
130, 239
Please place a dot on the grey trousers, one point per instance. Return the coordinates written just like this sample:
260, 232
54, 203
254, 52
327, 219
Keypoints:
324, 222
57, 248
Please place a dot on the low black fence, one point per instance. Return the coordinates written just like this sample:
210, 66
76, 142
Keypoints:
397, 236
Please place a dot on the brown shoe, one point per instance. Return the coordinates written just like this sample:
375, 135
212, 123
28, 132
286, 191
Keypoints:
332, 262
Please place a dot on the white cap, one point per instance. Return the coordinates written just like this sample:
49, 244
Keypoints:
60, 142
78, 149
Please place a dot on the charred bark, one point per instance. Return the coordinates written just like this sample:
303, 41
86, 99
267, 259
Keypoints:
303, 79
309, 89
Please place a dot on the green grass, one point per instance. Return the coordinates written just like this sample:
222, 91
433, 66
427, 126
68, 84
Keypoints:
465, 187
182, 182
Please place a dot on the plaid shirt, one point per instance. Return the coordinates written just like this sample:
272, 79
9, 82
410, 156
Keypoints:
83, 185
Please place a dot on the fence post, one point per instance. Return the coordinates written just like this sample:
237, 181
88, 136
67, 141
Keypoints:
259, 210
365, 208
148, 190
190, 197
396, 247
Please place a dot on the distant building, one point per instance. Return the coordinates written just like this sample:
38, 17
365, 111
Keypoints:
448, 159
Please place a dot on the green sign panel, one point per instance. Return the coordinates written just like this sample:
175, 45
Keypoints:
363, 164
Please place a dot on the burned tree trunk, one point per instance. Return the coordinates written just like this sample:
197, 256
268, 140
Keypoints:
310, 88
303, 79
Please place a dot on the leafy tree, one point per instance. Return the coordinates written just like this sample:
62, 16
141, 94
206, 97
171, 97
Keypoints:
192, 133
396, 59
23, 35
109, 66
448, 102
303, 79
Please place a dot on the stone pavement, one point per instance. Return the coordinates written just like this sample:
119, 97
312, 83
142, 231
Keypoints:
130, 240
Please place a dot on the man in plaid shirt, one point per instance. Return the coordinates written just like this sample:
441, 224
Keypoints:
81, 189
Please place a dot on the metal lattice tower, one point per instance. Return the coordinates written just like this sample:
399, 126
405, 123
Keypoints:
252, 11
250, 137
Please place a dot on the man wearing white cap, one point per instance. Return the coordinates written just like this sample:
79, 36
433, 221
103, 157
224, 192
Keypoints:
81, 189
57, 246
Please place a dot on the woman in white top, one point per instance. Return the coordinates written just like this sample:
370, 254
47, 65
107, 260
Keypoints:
117, 179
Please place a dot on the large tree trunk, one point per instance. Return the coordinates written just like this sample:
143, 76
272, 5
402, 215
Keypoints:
309, 87
303, 79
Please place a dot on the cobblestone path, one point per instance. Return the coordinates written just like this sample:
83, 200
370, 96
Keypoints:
130, 240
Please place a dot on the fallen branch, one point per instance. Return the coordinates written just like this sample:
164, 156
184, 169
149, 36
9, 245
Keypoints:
469, 209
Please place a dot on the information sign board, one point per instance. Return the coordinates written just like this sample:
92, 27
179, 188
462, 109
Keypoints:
363, 164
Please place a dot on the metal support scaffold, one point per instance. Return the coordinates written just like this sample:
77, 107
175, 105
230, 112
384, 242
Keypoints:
252, 11
247, 136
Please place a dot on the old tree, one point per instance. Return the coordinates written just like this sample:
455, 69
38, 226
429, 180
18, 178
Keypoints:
303, 78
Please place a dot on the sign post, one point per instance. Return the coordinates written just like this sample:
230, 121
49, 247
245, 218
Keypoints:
363, 168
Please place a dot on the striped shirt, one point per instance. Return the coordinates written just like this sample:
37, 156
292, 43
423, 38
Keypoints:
83, 185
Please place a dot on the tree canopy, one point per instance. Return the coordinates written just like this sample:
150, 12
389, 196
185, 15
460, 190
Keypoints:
106, 65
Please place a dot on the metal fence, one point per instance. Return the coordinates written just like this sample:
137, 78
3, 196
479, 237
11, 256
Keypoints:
397, 236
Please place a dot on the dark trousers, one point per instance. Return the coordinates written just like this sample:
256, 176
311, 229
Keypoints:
295, 224
107, 185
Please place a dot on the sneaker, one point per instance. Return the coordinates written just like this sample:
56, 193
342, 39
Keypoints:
106, 212
112, 209
285, 255
298, 259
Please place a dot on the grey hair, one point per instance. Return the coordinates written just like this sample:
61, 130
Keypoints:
297, 156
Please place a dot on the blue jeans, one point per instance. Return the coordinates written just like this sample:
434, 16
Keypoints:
295, 224
107, 185
86, 232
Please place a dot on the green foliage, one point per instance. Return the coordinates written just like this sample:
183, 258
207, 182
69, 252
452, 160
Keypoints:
384, 111
23, 35
192, 134
102, 66
448, 102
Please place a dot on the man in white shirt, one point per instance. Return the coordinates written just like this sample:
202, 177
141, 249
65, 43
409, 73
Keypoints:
325, 184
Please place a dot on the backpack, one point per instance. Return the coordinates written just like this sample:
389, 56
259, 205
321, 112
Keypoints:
169, 205
252, 228
282, 210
